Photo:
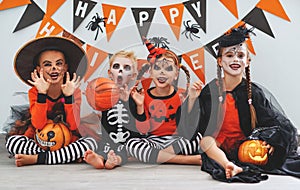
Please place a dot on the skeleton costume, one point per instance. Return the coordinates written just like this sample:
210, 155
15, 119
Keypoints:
42, 107
117, 126
215, 117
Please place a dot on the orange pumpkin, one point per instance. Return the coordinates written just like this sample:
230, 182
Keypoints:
53, 136
254, 152
102, 93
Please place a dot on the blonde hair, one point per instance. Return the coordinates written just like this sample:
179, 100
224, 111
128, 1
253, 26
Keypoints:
126, 54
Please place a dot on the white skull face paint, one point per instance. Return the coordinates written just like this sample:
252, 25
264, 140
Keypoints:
234, 59
121, 71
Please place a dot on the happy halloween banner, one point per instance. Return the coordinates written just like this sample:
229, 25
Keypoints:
143, 17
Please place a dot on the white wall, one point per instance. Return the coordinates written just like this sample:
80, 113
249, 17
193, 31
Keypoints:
276, 64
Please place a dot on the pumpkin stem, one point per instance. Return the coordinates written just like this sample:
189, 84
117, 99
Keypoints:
60, 119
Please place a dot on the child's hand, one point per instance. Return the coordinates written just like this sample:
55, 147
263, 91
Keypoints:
195, 89
138, 95
124, 93
39, 82
269, 147
69, 87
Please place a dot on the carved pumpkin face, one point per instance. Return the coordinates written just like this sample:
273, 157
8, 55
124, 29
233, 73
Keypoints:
53, 136
158, 110
252, 151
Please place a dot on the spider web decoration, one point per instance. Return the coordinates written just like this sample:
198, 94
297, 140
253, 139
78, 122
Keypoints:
160, 42
190, 30
94, 24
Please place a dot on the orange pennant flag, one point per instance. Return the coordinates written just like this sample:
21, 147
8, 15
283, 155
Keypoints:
231, 6
7, 4
273, 7
240, 23
95, 57
195, 60
248, 41
52, 6
48, 27
173, 14
250, 46
113, 15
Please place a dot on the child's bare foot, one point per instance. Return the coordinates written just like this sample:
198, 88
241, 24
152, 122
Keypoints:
113, 160
232, 169
23, 159
94, 159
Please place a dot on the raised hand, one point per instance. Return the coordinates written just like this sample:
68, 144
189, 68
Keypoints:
138, 95
39, 82
70, 86
195, 89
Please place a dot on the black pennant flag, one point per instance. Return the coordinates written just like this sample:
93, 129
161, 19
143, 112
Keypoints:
212, 47
33, 13
81, 8
143, 18
197, 9
257, 18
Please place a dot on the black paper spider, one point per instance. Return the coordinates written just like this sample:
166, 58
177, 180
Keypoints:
160, 42
94, 24
191, 30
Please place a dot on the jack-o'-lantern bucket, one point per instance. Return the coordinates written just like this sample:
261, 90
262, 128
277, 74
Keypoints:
54, 135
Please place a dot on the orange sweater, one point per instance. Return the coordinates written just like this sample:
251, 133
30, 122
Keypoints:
41, 104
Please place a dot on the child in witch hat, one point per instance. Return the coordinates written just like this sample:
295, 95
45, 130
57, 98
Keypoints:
53, 67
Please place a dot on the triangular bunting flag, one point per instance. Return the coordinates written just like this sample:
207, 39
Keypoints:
81, 8
7, 4
48, 27
95, 57
248, 41
250, 46
66, 34
273, 7
212, 47
195, 60
257, 18
197, 9
52, 6
173, 14
143, 18
33, 13
113, 15
231, 6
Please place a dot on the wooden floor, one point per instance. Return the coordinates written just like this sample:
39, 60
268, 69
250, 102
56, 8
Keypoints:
131, 176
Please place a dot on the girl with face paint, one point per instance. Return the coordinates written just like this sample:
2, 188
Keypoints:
158, 112
118, 124
53, 67
229, 108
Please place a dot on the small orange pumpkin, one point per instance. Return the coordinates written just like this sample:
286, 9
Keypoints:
53, 136
254, 152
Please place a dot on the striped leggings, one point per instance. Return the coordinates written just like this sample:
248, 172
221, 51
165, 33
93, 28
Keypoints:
19, 144
147, 149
